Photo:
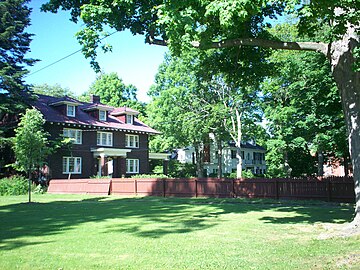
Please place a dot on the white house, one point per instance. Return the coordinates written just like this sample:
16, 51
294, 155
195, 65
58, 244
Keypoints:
253, 157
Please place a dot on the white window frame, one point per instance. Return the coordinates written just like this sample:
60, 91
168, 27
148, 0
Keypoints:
102, 115
132, 141
129, 119
75, 134
77, 161
69, 112
104, 138
132, 166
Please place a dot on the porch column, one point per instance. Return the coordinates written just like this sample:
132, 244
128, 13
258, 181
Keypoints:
103, 165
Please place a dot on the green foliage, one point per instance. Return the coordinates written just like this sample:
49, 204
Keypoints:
181, 170
30, 142
100, 177
303, 110
52, 90
155, 175
14, 44
15, 185
114, 92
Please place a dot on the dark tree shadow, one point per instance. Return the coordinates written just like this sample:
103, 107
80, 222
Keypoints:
170, 215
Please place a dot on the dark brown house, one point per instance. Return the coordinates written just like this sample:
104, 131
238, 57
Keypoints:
106, 141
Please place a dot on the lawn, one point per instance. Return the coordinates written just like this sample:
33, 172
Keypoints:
86, 232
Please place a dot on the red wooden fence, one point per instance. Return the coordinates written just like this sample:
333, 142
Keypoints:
339, 189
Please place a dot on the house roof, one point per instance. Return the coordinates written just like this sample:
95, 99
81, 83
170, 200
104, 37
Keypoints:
124, 110
47, 105
247, 145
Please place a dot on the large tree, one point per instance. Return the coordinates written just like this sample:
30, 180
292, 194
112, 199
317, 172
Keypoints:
14, 44
218, 24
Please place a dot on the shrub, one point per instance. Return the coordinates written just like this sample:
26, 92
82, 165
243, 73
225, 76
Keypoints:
149, 176
15, 185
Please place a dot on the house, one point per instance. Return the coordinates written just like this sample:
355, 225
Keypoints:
253, 157
106, 141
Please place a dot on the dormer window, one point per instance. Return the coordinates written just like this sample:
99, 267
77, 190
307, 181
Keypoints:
70, 110
129, 119
102, 115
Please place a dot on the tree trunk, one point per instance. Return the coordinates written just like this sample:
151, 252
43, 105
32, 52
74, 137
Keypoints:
199, 160
348, 82
346, 165
219, 149
320, 163
239, 158
29, 187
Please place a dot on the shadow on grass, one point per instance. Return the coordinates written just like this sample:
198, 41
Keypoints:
148, 217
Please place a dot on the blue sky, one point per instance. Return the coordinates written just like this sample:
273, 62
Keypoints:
54, 38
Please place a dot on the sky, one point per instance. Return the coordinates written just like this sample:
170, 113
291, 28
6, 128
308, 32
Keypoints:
54, 38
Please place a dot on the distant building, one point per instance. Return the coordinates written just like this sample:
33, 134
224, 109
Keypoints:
253, 158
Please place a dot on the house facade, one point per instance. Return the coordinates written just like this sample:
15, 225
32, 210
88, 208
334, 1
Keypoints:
105, 141
253, 158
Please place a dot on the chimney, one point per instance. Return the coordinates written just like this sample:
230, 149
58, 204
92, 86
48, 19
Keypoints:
94, 99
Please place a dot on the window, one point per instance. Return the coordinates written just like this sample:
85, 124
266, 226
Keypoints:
132, 141
233, 154
132, 166
102, 115
74, 134
70, 110
72, 165
104, 138
129, 119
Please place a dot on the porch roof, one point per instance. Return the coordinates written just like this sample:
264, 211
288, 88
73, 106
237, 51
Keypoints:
159, 156
110, 152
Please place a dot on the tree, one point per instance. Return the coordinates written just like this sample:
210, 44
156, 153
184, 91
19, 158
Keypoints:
303, 110
219, 24
52, 90
30, 143
14, 44
176, 111
114, 92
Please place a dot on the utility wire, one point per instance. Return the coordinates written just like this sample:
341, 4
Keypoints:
63, 58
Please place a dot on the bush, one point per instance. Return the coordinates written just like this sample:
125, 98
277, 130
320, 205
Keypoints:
15, 185
149, 176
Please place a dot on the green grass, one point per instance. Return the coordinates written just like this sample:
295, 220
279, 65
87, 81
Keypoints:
84, 232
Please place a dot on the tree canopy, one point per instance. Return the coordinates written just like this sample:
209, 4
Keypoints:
52, 90
14, 44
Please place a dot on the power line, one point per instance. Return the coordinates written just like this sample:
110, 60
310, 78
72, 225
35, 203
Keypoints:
63, 58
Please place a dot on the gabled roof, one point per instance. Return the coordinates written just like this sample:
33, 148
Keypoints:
51, 114
64, 100
124, 110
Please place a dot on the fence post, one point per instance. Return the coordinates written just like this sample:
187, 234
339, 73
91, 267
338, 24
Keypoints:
135, 187
277, 189
328, 187
196, 188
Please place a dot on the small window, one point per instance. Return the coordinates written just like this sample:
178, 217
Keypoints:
132, 141
104, 138
74, 134
132, 166
72, 165
102, 115
233, 154
70, 110
129, 119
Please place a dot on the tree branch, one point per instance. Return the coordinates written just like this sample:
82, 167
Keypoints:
299, 46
